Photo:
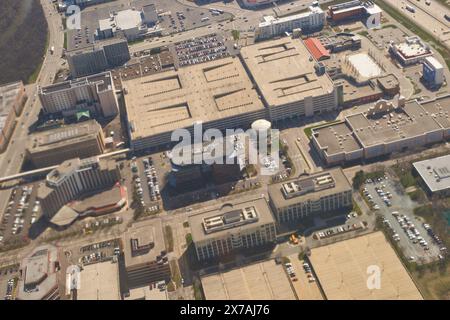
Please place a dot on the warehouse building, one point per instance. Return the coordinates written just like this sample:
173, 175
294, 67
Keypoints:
95, 93
313, 20
285, 75
324, 192
217, 93
435, 174
243, 224
383, 129
74, 178
52, 147
98, 57
12, 101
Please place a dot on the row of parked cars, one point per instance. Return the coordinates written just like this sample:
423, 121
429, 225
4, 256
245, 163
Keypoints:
436, 239
10, 287
308, 271
100, 245
291, 272
152, 179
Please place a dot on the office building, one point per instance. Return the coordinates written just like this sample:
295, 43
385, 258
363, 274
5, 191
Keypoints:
435, 174
284, 73
367, 11
145, 256
321, 193
74, 178
433, 71
12, 101
382, 130
217, 93
38, 277
413, 50
244, 224
312, 20
52, 147
95, 93
98, 57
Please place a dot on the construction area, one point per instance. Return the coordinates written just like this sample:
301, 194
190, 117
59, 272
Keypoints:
343, 269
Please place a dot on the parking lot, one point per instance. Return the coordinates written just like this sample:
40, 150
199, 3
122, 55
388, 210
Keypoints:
182, 18
21, 211
96, 252
388, 199
305, 284
202, 49
146, 182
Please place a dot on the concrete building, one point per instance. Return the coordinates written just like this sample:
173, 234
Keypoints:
217, 93
367, 11
39, 279
341, 42
95, 93
99, 281
74, 178
435, 174
433, 71
52, 147
98, 57
285, 75
256, 3
412, 51
324, 192
312, 20
12, 100
146, 261
383, 129
244, 224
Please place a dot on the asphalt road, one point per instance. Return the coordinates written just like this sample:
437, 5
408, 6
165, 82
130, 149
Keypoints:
11, 160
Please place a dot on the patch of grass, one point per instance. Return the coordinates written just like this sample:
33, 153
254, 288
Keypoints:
356, 208
188, 239
198, 289
236, 34
175, 273
65, 40
418, 195
186, 224
168, 238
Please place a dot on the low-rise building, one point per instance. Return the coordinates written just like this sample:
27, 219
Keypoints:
435, 174
368, 11
39, 279
52, 147
95, 93
12, 100
413, 50
324, 192
243, 224
312, 20
74, 178
382, 130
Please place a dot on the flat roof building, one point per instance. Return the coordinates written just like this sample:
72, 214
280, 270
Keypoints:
95, 93
99, 281
145, 255
435, 174
98, 57
39, 279
319, 193
312, 20
242, 224
342, 268
412, 51
383, 129
217, 93
52, 147
285, 74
